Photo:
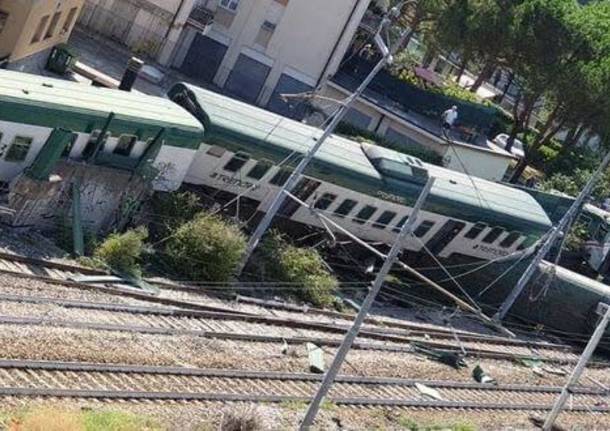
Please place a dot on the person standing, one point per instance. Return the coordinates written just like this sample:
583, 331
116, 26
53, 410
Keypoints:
449, 117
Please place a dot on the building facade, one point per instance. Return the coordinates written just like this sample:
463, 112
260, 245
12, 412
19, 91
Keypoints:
259, 50
29, 27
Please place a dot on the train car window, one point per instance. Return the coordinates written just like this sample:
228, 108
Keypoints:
280, 178
325, 201
600, 236
19, 149
125, 145
237, 162
90, 147
364, 214
475, 231
346, 207
400, 224
260, 169
423, 228
216, 151
510, 239
493, 235
68, 148
384, 219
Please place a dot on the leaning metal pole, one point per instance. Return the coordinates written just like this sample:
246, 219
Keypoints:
346, 345
561, 228
604, 311
262, 227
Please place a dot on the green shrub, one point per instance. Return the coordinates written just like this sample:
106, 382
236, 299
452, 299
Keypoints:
302, 268
173, 209
122, 252
206, 248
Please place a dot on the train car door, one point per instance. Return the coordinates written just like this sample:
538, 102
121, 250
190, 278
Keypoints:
444, 236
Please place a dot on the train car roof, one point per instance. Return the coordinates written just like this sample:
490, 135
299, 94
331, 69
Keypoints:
226, 119
93, 102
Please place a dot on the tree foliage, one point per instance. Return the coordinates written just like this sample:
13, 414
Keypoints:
122, 251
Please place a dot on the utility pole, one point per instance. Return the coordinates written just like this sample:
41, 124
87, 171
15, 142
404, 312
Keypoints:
346, 345
387, 58
604, 311
549, 240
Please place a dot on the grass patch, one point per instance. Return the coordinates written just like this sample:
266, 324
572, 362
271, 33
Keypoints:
411, 425
48, 418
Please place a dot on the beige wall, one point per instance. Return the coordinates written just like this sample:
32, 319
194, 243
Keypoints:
24, 21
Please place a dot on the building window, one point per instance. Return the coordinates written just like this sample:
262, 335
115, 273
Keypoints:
69, 20
52, 26
229, 4
364, 214
260, 169
237, 162
475, 231
90, 147
423, 228
325, 201
493, 235
125, 145
3, 20
216, 151
68, 149
384, 219
346, 207
19, 149
40, 29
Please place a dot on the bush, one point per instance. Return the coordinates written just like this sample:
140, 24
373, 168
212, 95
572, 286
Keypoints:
242, 419
303, 268
122, 252
207, 248
174, 209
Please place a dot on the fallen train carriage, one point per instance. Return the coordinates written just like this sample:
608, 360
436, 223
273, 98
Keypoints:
370, 190
113, 140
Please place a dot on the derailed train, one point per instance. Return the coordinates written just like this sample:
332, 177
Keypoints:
230, 148
476, 228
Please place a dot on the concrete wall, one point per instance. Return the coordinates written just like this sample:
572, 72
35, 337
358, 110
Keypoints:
108, 197
17, 40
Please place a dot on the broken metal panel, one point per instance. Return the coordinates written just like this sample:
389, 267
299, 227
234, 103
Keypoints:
78, 236
49, 154
316, 358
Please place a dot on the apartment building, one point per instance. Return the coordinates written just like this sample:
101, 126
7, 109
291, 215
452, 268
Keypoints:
258, 50
32, 27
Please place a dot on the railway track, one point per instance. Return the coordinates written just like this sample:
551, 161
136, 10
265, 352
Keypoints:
33, 310
122, 382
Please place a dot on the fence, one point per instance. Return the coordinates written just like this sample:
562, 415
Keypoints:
121, 25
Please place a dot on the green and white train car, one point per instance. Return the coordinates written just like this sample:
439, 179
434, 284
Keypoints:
31, 106
367, 188
370, 190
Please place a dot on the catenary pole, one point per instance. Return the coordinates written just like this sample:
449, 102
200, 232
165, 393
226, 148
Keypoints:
604, 311
346, 345
278, 200
561, 228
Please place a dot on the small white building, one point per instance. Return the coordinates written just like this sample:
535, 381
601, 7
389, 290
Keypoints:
384, 118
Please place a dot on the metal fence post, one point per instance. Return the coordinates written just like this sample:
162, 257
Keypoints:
332, 372
604, 310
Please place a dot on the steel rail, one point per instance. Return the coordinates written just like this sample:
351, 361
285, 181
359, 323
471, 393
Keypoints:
412, 348
291, 323
273, 375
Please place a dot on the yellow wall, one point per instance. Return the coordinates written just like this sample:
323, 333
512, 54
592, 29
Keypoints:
24, 21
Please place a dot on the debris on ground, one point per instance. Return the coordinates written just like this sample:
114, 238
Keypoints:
429, 392
316, 358
482, 377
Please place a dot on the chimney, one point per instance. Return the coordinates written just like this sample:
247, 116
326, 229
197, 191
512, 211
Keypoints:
131, 73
